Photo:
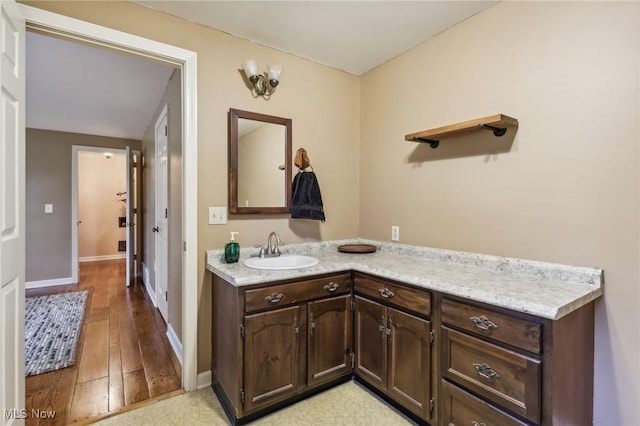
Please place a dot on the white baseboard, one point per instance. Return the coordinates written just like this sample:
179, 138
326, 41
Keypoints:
204, 379
104, 257
147, 285
176, 345
48, 283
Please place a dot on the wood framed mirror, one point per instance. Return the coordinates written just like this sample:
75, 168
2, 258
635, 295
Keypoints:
259, 163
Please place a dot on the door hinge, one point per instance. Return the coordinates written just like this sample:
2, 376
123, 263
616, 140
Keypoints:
166, 296
353, 360
166, 130
432, 404
166, 213
135, 257
241, 330
242, 395
185, 245
135, 211
432, 336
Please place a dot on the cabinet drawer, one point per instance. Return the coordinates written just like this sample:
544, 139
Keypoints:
287, 294
460, 408
513, 331
504, 377
413, 299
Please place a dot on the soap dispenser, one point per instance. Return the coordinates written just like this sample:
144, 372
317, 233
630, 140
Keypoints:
232, 249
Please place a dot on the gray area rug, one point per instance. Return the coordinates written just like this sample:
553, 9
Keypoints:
51, 330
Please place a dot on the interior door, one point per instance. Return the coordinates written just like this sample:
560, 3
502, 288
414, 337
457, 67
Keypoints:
12, 208
162, 213
130, 216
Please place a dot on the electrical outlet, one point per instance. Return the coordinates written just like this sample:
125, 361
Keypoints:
217, 215
395, 233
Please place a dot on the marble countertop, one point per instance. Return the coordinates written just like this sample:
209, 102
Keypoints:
543, 289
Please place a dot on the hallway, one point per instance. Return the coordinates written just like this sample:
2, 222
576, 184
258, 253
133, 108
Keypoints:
123, 355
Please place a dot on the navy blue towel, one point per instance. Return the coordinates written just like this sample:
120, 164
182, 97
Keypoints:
306, 202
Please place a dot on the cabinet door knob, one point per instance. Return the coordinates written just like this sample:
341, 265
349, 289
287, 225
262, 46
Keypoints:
386, 293
274, 298
312, 324
483, 323
485, 371
331, 287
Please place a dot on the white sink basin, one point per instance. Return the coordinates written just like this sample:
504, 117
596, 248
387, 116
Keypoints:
292, 261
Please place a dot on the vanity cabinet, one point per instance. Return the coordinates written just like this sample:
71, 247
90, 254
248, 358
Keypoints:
393, 342
508, 368
272, 343
443, 360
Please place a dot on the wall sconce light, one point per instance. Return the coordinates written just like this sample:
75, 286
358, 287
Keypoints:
262, 86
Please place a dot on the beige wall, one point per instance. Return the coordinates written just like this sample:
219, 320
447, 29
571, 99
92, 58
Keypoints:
567, 189
48, 180
100, 179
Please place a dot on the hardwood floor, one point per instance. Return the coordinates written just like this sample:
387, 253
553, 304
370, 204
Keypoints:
123, 355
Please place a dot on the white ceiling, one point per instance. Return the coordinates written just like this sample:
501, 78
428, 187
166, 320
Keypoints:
78, 88
74, 87
354, 36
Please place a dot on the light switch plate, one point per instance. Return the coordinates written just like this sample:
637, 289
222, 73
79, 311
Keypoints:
217, 215
48, 208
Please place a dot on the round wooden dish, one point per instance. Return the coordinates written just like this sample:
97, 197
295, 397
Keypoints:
357, 248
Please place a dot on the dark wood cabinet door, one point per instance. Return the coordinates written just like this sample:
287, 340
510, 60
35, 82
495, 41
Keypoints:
409, 367
370, 325
329, 331
271, 356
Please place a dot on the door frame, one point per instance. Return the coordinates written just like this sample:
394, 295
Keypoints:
187, 60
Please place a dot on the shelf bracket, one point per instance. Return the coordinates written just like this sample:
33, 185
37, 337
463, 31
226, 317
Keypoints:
432, 143
497, 131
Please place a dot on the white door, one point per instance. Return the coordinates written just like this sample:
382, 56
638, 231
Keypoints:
130, 217
162, 213
12, 208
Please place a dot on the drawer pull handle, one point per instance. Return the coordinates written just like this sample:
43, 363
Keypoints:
474, 423
386, 293
483, 323
274, 298
331, 287
485, 371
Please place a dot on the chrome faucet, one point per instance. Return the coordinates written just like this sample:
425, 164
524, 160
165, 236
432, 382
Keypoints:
271, 249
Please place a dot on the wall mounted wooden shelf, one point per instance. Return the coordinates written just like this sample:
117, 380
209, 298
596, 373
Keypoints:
498, 123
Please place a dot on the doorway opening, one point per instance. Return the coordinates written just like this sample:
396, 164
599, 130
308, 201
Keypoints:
186, 61
105, 205
160, 382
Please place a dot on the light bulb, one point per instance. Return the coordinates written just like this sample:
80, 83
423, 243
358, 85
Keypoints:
274, 72
250, 67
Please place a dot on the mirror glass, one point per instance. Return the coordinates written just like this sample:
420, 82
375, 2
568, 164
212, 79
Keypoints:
259, 163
